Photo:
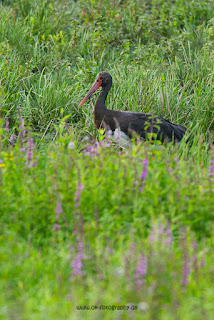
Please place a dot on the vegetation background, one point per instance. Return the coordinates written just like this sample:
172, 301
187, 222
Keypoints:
86, 223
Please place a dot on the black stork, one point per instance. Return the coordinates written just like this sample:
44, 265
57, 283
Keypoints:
131, 123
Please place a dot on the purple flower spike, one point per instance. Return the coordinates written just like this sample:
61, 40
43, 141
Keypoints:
169, 237
77, 204
56, 227
145, 169
141, 269
186, 272
58, 209
75, 232
76, 263
77, 198
202, 263
34, 164
194, 245
145, 162
109, 250
78, 193
139, 282
80, 187
30, 146
211, 168
176, 160
7, 126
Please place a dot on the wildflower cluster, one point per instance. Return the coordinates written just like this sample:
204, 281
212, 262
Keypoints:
144, 173
160, 234
30, 146
93, 149
76, 260
141, 270
77, 198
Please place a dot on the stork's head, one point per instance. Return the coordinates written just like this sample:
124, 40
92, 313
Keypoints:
103, 79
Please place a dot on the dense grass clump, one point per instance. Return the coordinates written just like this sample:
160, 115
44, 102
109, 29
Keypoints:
93, 228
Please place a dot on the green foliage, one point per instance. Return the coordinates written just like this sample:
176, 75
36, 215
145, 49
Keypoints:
50, 51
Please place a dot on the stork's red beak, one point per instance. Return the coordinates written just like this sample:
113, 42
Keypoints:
95, 86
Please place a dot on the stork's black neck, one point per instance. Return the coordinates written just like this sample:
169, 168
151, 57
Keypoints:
100, 103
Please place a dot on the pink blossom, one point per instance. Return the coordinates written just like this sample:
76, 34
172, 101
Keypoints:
6, 126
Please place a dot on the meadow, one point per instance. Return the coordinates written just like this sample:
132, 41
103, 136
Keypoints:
91, 229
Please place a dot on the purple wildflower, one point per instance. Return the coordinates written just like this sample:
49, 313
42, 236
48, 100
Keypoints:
56, 227
168, 233
139, 282
78, 195
202, 263
30, 146
144, 172
176, 160
12, 137
58, 208
75, 232
145, 169
211, 168
101, 143
161, 228
194, 258
186, 272
77, 204
109, 250
34, 164
194, 245
79, 187
22, 149
152, 236
76, 263
6, 126
186, 264
141, 269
